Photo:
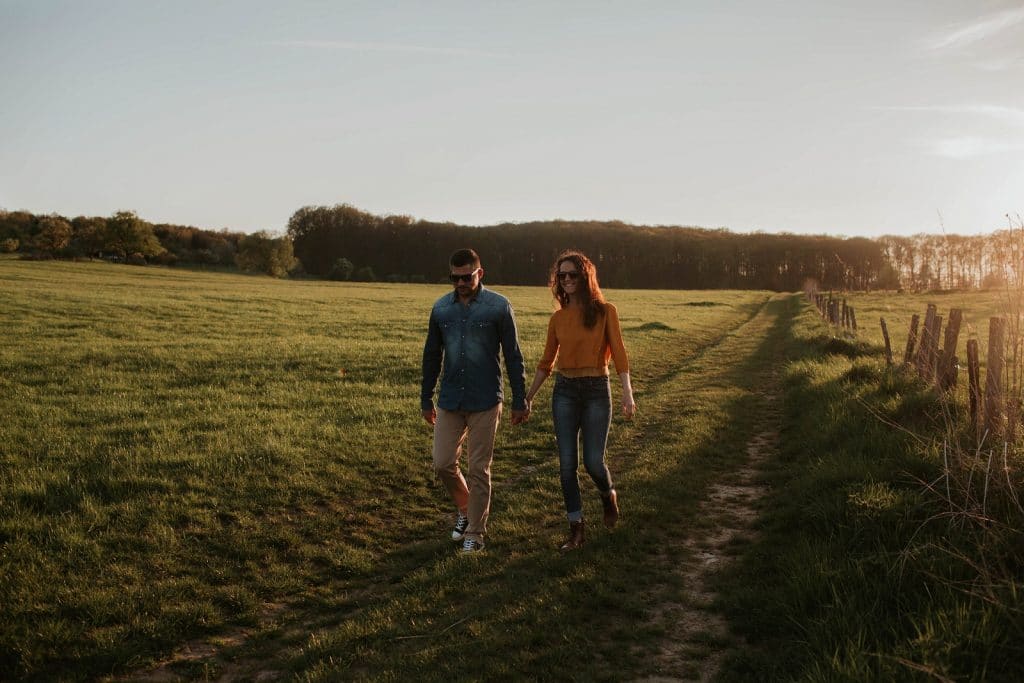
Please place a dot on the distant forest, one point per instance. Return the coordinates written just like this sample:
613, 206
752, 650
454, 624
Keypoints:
344, 243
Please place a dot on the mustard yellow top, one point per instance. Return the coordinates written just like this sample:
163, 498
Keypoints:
579, 349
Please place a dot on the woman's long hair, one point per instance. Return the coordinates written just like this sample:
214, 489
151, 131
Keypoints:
587, 289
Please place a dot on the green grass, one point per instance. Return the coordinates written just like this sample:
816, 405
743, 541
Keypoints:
183, 449
861, 571
194, 457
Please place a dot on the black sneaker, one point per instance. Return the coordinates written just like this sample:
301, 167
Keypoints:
461, 524
471, 545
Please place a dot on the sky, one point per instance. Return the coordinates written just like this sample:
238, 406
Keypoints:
805, 116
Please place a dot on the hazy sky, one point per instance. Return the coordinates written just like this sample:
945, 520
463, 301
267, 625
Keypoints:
854, 118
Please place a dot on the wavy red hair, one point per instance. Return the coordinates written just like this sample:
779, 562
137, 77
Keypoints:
588, 289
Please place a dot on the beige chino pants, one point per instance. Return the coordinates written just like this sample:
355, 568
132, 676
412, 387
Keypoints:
451, 430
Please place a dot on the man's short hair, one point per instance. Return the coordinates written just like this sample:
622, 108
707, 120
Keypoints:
464, 257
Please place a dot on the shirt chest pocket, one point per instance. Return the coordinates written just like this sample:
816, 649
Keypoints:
483, 330
449, 330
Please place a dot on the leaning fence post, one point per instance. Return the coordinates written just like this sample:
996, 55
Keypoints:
933, 349
911, 339
974, 383
928, 339
994, 379
922, 346
946, 375
888, 346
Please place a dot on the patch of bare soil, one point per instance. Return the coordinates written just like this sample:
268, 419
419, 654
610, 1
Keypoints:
695, 637
208, 652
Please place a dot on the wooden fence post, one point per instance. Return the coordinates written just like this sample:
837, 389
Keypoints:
974, 384
933, 349
994, 376
888, 346
911, 339
922, 344
853, 319
945, 377
929, 338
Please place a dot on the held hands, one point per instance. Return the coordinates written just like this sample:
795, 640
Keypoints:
521, 416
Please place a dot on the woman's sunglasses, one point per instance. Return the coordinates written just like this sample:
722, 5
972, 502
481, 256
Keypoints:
468, 277
572, 275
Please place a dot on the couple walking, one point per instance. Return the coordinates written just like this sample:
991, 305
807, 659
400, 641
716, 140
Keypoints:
466, 329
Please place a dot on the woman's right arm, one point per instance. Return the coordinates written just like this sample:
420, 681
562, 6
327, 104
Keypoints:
547, 362
538, 379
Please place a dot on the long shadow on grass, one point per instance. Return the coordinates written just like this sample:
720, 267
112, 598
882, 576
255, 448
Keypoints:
420, 602
524, 611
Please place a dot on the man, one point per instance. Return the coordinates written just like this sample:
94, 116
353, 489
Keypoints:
466, 328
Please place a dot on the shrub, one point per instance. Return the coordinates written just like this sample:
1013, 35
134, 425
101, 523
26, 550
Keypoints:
365, 274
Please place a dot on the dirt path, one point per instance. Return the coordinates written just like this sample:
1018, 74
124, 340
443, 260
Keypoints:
696, 637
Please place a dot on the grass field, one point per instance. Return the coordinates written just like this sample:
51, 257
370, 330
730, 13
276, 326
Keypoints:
228, 476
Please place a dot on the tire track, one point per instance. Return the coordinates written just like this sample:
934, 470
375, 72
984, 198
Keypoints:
696, 637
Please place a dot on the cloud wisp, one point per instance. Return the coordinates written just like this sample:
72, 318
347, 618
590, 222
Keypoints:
980, 29
354, 46
1010, 115
961, 147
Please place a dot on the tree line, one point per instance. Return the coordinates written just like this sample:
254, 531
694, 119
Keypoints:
924, 262
342, 242
124, 237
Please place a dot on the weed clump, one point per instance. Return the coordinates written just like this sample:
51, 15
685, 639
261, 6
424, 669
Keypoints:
653, 326
851, 348
862, 373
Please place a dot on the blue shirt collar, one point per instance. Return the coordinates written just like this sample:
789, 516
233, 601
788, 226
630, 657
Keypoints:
476, 294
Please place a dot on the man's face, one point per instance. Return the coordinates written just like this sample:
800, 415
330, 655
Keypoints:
465, 279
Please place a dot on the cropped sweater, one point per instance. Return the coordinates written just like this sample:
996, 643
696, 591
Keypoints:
580, 350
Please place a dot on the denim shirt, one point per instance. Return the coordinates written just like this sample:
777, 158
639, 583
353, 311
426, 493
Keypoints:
467, 339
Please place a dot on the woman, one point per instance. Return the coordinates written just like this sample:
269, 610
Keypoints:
584, 334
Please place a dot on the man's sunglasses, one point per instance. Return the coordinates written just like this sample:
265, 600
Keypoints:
468, 277
572, 275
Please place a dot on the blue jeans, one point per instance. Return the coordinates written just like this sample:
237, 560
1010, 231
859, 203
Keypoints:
581, 405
